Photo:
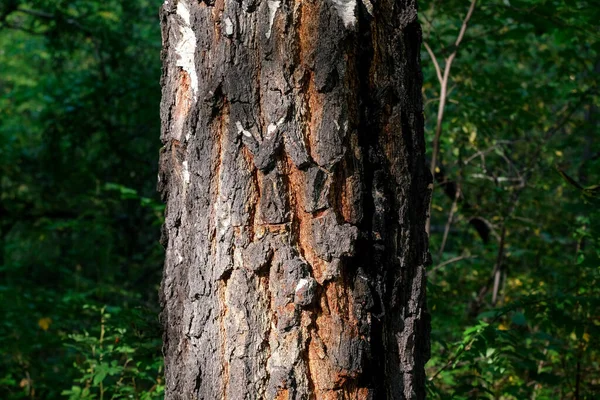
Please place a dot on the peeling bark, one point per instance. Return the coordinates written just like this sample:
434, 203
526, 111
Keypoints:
294, 175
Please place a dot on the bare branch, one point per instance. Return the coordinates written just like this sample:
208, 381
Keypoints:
444, 86
453, 209
443, 93
451, 261
438, 71
463, 28
46, 15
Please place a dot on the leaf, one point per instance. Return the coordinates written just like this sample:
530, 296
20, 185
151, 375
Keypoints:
519, 319
74, 392
101, 372
489, 314
109, 16
44, 323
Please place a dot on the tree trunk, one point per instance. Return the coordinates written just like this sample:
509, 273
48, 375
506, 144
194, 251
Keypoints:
296, 187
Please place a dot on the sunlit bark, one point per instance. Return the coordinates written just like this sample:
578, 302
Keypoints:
296, 187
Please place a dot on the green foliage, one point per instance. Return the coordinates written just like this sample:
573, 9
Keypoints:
79, 216
116, 362
523, 99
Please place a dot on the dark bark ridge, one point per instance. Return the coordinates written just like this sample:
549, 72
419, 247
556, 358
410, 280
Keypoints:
294, 175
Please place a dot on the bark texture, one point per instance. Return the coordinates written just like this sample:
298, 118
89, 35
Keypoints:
296, 187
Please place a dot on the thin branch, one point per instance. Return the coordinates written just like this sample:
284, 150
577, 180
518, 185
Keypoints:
443, 78
499, 264
480, 153
46, 15
444, 86
463, 28
449, 222
515, 197
492, 228
429, 22
438, 71
498, 179
450, 261
430, 30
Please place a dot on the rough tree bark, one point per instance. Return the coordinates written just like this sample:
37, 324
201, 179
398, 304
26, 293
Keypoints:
296, 187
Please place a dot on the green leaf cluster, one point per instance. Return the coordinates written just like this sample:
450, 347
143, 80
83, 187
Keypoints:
515, 200
79, 216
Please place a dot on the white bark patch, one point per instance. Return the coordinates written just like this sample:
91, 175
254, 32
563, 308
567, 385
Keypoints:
273, 7
186, 172
186, 47
228, 27
241, 129
346, 10
223, 212
238, 260
339, 128
272, 128
183, 11
301, 283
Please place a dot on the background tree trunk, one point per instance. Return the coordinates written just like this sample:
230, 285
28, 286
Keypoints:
294, 175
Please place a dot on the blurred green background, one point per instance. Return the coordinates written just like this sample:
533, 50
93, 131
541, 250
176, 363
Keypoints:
513, 288
80, 261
